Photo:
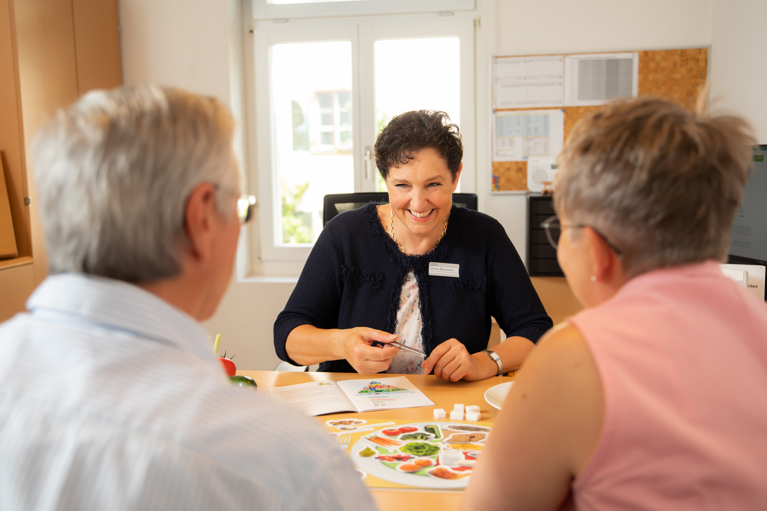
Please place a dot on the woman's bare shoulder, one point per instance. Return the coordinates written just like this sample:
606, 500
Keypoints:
560, 350
567, 380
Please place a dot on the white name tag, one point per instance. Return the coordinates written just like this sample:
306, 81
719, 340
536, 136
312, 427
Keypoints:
444, 269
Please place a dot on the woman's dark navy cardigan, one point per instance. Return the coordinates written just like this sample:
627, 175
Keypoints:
354, 276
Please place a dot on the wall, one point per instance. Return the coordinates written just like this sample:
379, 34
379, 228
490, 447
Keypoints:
738, 55
190, 44
182, 43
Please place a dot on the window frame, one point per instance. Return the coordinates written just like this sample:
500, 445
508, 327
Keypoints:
335, 128
267, 258
263, 10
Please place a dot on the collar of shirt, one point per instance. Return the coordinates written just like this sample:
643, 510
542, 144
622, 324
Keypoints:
118, 305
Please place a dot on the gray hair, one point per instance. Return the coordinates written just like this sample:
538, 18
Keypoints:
660, 182
115, 171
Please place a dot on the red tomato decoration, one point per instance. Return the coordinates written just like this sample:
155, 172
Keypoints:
229, 366
407, 429
391, 432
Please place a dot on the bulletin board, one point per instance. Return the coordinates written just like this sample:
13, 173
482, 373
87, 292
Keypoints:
678, 75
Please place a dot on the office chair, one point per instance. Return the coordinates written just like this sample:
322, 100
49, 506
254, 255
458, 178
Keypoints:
336, 203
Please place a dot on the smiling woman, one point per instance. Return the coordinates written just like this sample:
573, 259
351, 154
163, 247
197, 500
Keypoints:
417, 270
420, 198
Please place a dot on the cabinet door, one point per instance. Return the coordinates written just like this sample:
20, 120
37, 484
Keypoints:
51, 52
45, 38
16, 275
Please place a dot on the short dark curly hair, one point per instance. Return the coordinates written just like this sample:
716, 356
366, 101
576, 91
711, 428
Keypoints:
408, 133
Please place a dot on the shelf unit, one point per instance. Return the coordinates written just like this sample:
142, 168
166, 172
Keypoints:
541, 256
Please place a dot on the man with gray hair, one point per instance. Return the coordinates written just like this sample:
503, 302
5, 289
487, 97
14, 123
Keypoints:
110, 394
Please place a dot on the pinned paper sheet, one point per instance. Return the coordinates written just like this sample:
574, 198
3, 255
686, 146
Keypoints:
527, 82
518, 135
596, 79
540, 169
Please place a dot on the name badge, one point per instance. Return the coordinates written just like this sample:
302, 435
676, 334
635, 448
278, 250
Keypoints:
444, 269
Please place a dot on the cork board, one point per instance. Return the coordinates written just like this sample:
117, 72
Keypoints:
678, 75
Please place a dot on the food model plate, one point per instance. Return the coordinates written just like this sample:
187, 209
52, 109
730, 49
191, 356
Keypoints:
496, 395
423, 454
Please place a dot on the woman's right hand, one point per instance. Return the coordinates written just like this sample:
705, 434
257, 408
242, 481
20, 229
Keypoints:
362, 355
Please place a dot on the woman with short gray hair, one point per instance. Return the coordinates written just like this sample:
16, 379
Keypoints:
648, 399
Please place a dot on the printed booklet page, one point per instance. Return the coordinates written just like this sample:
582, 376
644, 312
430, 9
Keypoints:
323, 397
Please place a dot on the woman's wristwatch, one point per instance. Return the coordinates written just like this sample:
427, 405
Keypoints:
496, 358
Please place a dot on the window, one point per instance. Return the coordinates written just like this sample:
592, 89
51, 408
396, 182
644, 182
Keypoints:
323, 90
311, 135
335, 120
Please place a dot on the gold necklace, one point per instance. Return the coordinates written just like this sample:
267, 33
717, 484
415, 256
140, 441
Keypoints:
391, 233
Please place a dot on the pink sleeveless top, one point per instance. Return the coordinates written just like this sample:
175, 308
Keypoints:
682, 355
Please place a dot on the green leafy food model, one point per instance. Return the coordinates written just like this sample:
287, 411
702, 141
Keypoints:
420, 449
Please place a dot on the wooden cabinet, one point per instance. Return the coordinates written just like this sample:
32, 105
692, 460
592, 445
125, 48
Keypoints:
51, 52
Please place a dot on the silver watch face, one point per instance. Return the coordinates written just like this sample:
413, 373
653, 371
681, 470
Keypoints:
497, 359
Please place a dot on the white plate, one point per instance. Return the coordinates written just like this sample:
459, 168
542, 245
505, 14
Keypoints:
497, 394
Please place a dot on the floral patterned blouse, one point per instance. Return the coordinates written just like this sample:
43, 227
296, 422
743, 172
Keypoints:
408, 329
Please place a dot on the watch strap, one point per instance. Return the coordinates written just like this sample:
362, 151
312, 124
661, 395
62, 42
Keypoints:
495, 358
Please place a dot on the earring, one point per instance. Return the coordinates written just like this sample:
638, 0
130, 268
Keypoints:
593, 278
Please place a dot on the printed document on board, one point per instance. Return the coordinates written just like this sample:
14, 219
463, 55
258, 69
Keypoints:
528, 82
600, 78
517, 135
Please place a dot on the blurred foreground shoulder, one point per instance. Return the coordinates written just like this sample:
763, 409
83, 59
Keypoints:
549, 426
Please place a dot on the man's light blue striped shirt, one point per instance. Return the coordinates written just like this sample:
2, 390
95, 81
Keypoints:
110, 398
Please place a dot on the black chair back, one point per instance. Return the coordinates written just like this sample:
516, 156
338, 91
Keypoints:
336, 203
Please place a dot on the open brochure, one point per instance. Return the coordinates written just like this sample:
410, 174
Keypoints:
321, 397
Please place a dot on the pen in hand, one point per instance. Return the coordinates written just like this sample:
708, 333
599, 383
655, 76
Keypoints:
400, 346
408, 348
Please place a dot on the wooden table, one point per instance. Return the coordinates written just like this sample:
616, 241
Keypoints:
444, 395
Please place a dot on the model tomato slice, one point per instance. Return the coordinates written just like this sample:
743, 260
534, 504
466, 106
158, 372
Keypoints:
391, 432
229, 366
408, 429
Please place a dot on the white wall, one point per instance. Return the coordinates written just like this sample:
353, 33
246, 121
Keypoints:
189, 43
739, 61
183, 43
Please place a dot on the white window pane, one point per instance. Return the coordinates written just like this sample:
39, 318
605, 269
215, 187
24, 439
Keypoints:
428, 78
312, 156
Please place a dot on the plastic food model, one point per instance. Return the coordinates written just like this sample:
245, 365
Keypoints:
229, 366
244, 381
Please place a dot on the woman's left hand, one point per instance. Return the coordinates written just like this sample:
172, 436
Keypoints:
451, 361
